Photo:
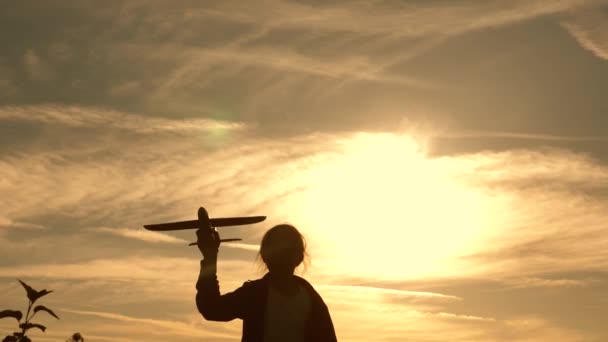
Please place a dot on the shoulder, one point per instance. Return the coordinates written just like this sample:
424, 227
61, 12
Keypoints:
254, 285
313, 292
305, 283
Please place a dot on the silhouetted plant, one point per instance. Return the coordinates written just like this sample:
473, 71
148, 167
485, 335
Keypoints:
33, 296
76, 337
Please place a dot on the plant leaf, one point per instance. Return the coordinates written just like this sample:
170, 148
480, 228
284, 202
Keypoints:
28, 326
31, 293
44, 308
42, 293
11, 313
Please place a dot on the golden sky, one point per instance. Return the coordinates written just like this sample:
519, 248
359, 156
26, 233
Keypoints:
446, 161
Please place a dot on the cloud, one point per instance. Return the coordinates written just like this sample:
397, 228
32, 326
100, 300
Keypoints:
358, 290
138, 173
245, 246
8, 224
76, 116
523, 136
388, 17
157, 237
464, 317
590, 29
522, 203
517, 222
533, 282
391, 322
510, 216
316, 50
131, 268
359, 29
174, 328
140, 234
551, 168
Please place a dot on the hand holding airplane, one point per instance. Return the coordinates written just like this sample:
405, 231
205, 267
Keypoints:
207, 235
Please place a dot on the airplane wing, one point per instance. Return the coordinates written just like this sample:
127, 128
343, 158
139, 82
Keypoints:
215, 222
221, 240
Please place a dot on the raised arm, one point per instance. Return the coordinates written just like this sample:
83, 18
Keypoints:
210, 303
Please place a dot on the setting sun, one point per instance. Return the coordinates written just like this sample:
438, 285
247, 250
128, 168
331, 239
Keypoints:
382, 208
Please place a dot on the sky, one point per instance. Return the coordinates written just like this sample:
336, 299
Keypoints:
447, 162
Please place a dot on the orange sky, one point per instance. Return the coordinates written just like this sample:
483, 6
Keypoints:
446, 162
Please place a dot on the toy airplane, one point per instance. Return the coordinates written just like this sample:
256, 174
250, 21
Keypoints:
205, 222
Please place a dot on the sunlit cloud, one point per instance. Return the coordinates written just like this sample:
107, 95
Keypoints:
122, 269
92, 117
175, 328
550, 283
151, 272
157, 237
523, 136
321, 180
464, 317
357, 290
245, 246
140, 234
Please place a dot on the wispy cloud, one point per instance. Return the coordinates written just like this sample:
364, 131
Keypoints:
253, 176
590, 29
245, 246
464, 317
175, 328
359, 30
394, 293
520, 223
93, 117
132, 268
8, 223
157, 237
393, 18
252, 82
140, 234
523, 136
533, 282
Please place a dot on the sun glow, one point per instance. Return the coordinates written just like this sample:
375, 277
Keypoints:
383, 209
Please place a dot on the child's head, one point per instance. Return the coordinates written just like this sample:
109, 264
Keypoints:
283, 248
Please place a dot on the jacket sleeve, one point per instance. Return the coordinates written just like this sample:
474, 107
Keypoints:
322, 327
211, 304
326, 326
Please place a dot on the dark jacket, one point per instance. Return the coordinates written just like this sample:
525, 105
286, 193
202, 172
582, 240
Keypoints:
249, 304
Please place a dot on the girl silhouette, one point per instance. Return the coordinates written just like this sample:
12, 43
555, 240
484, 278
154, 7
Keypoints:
278, 307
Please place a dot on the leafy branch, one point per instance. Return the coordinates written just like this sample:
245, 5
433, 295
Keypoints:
26, 325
